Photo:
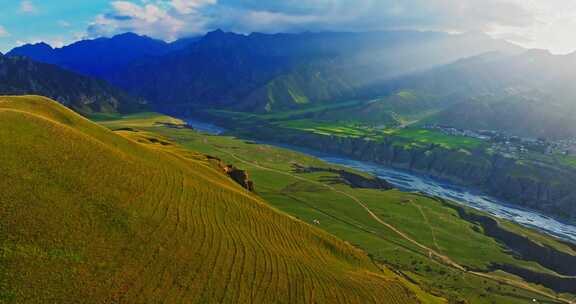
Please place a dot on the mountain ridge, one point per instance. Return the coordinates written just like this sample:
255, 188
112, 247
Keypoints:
267, 72
20, 76
277, 72
524, 94
99, 57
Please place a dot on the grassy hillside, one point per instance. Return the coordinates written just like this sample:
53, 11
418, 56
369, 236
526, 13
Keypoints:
94, 216
432, 223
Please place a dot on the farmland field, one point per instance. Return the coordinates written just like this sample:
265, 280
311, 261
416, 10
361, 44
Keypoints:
428, 221
404, 135
90, 215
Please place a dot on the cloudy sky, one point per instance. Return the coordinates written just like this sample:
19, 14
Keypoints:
548, 24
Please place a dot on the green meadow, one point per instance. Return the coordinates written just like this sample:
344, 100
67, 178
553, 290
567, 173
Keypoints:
404, 136
90, 215
433, 237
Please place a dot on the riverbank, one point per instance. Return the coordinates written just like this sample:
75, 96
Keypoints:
417, 181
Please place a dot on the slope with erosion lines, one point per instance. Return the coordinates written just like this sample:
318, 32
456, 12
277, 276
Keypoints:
88, 215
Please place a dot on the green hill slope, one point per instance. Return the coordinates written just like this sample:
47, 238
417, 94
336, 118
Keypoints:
87, 215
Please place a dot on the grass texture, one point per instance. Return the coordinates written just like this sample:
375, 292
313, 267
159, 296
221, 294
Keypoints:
88, 215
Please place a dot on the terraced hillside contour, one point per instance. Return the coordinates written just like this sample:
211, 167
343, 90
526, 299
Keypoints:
87, 215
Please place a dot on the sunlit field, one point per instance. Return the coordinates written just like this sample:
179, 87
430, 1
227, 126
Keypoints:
91, 215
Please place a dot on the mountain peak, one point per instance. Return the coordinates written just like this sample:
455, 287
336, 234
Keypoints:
220, 38
39, 45
129, 35
217, 32
39, 51
220, 33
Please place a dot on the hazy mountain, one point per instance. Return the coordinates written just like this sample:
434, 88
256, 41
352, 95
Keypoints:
103, 56
261, 72
22, 76
527, 94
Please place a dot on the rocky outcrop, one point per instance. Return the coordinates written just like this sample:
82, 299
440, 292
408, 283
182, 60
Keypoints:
345, 177
241, 177
182, 126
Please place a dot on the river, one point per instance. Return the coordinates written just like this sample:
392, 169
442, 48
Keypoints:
411, 182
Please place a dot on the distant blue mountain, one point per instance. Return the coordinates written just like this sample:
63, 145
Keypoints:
263, 72
83, 94
277, 72
103, 56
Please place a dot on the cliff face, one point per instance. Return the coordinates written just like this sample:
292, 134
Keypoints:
532, 185
559, 284
523, 247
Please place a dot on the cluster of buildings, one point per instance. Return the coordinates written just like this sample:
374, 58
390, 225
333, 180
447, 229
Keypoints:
482, 135
510, 145
565, 146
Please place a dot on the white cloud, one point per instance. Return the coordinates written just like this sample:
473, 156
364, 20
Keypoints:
3, 32
450, 15
552, 29
545, 23
274, 21
161, 19
190, 6
27, 7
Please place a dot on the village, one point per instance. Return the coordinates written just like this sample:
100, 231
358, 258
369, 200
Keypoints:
511, 145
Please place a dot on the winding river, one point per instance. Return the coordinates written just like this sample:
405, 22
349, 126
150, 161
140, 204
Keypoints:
411, 182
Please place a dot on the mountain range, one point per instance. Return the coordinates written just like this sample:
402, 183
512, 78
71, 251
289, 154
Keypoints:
466, 80
526, 94
139, 208
262, 72
103, 56
274, 73
86, 95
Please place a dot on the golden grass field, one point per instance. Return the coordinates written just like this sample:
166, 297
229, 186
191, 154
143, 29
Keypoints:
88, 215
